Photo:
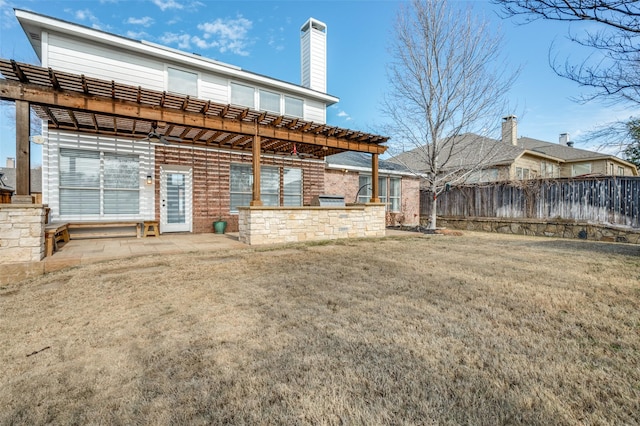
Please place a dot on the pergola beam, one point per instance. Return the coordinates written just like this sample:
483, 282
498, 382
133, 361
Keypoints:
76, 101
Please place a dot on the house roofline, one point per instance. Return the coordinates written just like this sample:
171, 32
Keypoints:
368, 170
31, 21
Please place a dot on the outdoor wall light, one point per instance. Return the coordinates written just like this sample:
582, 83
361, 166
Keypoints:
149, 180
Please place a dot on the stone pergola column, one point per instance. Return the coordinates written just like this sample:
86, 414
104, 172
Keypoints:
22, 195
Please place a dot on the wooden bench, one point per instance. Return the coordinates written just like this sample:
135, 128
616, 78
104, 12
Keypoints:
53, 234
104, 229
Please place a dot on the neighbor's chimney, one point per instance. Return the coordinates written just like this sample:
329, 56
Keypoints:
11, 163
510, 129
313, 55
564, 139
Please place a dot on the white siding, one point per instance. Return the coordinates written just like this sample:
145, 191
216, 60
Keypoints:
105, 62
51, 176
313, 54
99, 61
315, 111
214, 88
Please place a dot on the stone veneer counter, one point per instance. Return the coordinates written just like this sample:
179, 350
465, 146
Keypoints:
272, 225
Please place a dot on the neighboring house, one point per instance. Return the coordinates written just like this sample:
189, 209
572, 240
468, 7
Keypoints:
348, 174
98, 168
8, 183
514, 158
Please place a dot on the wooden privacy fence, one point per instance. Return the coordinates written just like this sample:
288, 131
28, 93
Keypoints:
604, 200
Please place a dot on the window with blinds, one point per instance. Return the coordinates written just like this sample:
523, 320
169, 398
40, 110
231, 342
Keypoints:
242, 95
293, 106
394, 194
97, 184
269, 101
292, 191
182, 82
241, 186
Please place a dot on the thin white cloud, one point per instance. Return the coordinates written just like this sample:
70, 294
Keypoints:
7, 18
183, 41
145, 21
137, 35
344, 115
276, 40
168, 4
86, 15
228, 34
223, 35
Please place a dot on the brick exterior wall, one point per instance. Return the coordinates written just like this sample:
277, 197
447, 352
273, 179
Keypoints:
346, 183
211, 180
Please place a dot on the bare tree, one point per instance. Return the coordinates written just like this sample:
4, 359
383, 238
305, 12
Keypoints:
619, 138
611, 68
446, 79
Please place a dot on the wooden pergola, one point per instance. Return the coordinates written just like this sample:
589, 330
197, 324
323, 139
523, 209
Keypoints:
78, 103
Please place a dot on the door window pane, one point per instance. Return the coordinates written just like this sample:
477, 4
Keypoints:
176, 192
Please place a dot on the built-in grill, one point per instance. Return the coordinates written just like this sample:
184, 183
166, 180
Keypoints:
328, 200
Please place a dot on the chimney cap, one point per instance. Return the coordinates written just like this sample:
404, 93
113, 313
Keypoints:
315, 24
510, 117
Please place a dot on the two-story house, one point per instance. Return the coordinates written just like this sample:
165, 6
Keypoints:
183, 134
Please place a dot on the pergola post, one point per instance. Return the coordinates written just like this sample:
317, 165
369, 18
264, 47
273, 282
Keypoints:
375, 198
22, 193
255, 200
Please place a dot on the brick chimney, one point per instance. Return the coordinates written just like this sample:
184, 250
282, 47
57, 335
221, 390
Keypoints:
313, 55
510, 130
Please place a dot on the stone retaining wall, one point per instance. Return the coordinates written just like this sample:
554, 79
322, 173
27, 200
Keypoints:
21, 233
547, 228
270, 225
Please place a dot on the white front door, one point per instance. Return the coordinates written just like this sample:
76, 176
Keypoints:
175, 199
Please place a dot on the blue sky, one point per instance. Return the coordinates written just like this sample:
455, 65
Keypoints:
263, 37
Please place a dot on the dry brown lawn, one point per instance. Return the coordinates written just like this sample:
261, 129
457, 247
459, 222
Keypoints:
479, 329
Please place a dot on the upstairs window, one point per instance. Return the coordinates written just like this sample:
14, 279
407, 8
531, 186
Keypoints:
293, 107
242, 95
182, 82
269, 101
